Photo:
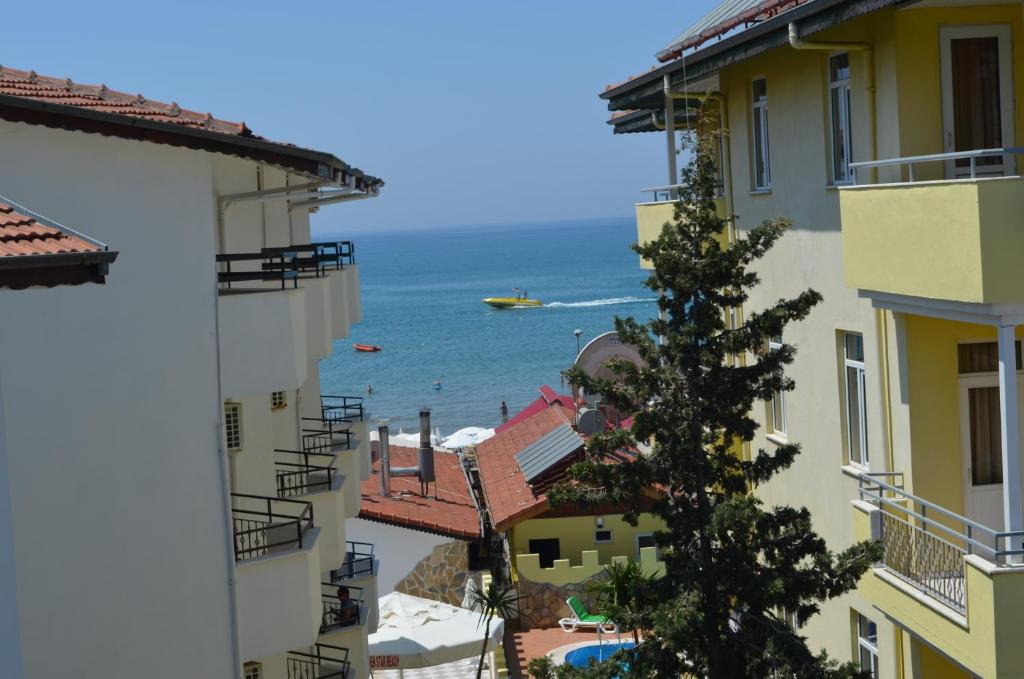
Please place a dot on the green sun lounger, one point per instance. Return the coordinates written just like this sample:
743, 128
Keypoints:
582, 618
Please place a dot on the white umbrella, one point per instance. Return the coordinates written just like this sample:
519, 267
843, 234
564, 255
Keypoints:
415, 632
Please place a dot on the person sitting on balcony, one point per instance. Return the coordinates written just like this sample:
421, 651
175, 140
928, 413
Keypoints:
347, 612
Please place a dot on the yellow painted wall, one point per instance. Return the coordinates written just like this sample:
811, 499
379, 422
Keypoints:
918, 73
652, 217
561, 573
576, 534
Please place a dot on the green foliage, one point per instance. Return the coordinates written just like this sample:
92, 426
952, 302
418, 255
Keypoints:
732, 565
624, 591
495, 599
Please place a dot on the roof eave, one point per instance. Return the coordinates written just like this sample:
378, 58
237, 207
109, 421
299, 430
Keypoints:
309, 161
819, 15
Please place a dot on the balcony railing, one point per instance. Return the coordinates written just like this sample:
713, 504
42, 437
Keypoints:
341, 408
318, 258
342, 606
281, 267
972, 166
299, 472
331, 437
924, 544
358, 562
263, 525
322, 661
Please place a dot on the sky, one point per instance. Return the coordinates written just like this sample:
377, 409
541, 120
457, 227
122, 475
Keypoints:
472, 111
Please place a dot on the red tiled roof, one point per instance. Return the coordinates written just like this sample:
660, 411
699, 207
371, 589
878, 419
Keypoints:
101, 99
509, 497
547, 399
453, 513
21, 235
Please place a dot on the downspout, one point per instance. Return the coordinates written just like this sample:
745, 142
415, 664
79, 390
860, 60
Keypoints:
797, 43
226, 481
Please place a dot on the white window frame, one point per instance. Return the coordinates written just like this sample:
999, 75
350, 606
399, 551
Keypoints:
761, 146
780, 397
274, 405
840, 175
867, 644
859, 458
228, 438
252, 670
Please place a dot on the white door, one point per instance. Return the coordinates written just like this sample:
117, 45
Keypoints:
977, 96
981, 442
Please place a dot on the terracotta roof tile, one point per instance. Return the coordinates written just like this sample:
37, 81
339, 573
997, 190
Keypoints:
22, 235
453, 513
509, 497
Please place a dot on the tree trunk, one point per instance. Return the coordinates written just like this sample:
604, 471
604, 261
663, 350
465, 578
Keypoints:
483, 648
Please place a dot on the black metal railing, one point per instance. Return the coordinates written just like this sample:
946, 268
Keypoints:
263, 525
322, 661
283, 267
358, 561
299, 472
332, 437
341, 408
342, 606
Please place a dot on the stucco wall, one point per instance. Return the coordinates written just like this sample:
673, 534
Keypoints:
112, 438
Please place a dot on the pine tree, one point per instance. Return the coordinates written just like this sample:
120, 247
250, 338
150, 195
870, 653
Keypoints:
735, 569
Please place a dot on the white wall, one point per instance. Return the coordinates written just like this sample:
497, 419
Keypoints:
397, 549
115, 487
10, 634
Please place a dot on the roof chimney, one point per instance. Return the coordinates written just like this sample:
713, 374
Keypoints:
385, 458
426, 452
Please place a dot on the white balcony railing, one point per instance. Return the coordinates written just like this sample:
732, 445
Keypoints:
925, 544
972, 156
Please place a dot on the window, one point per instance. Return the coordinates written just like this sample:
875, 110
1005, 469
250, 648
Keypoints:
762, 162
278, 400
856, 407
602, 536
778, 402
233, 425
980, 357
548, 549
867, 645
252, 670
839, 105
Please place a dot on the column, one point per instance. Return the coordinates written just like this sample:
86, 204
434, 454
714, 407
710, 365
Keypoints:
670, 132
1009, 416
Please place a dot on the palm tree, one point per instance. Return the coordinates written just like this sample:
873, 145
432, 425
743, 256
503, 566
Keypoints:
622, 591
494, 600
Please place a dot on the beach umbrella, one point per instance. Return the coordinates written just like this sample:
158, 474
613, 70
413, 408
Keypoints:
414, 632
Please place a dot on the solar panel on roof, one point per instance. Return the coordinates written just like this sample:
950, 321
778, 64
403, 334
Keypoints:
547, 451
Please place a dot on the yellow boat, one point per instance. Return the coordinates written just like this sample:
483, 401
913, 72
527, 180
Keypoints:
511, 302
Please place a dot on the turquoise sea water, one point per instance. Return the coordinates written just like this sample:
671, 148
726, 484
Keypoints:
421, 295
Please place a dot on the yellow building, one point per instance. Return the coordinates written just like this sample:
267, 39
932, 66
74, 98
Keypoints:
885, 130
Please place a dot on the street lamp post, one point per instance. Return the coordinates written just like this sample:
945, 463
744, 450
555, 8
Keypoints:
577, 332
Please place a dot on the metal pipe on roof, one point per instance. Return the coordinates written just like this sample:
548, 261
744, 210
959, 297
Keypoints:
384, 444
798, 43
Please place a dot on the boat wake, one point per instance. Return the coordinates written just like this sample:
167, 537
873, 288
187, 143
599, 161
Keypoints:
602, 302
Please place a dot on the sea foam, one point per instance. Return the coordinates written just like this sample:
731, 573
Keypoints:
602, 302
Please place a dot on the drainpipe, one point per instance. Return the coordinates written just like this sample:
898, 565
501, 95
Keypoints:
798, 43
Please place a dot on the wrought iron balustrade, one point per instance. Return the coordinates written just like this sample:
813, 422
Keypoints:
263, 525
342, 606
924, 543
322, 661
971, 157
341, 408
358, 561
299, 472
333, 436
283, 267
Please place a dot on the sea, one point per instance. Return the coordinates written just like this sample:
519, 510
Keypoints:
421, 295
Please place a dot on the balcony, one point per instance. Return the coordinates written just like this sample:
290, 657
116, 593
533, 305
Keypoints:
360, 568
342, 607
261, 322
954, 583
277, 552
652, 216
302, 472
321, 661
953, 239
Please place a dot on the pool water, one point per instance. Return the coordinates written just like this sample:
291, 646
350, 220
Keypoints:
581, 657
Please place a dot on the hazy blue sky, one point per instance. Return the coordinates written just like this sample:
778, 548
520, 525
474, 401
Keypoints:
473, 111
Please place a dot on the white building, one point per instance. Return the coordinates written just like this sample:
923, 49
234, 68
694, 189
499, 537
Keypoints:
173, 489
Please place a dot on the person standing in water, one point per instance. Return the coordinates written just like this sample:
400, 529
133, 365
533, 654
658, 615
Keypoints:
369, 389
504, 412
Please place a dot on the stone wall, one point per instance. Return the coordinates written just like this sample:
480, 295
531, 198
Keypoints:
441, 575
543, 604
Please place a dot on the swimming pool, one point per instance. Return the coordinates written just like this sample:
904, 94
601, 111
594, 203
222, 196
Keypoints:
581, 657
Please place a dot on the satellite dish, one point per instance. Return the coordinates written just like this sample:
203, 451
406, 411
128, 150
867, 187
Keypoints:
591, 421
592, 359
